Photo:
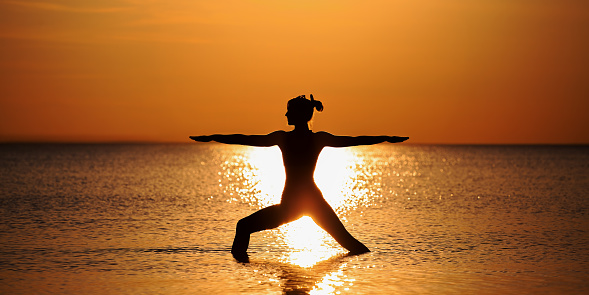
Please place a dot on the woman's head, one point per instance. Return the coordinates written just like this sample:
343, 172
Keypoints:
300, 109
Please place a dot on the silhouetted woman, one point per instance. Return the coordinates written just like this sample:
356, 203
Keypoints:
300, 150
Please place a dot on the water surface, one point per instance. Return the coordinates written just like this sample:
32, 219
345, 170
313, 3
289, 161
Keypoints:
138, 219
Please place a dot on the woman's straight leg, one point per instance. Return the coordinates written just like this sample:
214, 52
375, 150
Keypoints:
326, 218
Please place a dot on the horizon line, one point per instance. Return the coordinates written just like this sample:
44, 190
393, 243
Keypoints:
139, 142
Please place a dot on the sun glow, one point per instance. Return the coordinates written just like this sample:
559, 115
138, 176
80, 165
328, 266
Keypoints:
307, 242
268, 174
334, 175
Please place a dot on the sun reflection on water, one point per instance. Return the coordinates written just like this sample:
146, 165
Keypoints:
335, 176
329, 282
307, 242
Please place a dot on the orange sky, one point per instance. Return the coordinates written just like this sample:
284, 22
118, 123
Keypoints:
454, 71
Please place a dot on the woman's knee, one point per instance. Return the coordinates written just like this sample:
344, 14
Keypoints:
242, 225
253, 224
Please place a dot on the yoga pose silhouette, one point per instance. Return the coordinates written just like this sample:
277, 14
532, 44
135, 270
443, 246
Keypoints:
300, 149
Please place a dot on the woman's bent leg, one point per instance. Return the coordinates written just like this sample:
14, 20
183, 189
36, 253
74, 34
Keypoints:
267, 218
326, 218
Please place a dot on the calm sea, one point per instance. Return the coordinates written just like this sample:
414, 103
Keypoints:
159, 219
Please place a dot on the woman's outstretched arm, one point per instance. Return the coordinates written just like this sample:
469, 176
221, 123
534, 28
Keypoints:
328, 139
251, 140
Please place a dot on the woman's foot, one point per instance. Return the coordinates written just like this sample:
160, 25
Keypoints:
240, 256
359, 250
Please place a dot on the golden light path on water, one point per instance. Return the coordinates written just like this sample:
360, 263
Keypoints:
335, 177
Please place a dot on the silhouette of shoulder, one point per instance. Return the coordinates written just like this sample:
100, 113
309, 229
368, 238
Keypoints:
325, 138
270, 139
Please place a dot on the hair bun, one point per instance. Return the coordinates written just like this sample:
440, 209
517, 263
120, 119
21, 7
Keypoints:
318, 105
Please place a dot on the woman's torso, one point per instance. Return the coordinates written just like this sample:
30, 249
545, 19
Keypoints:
300, 151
